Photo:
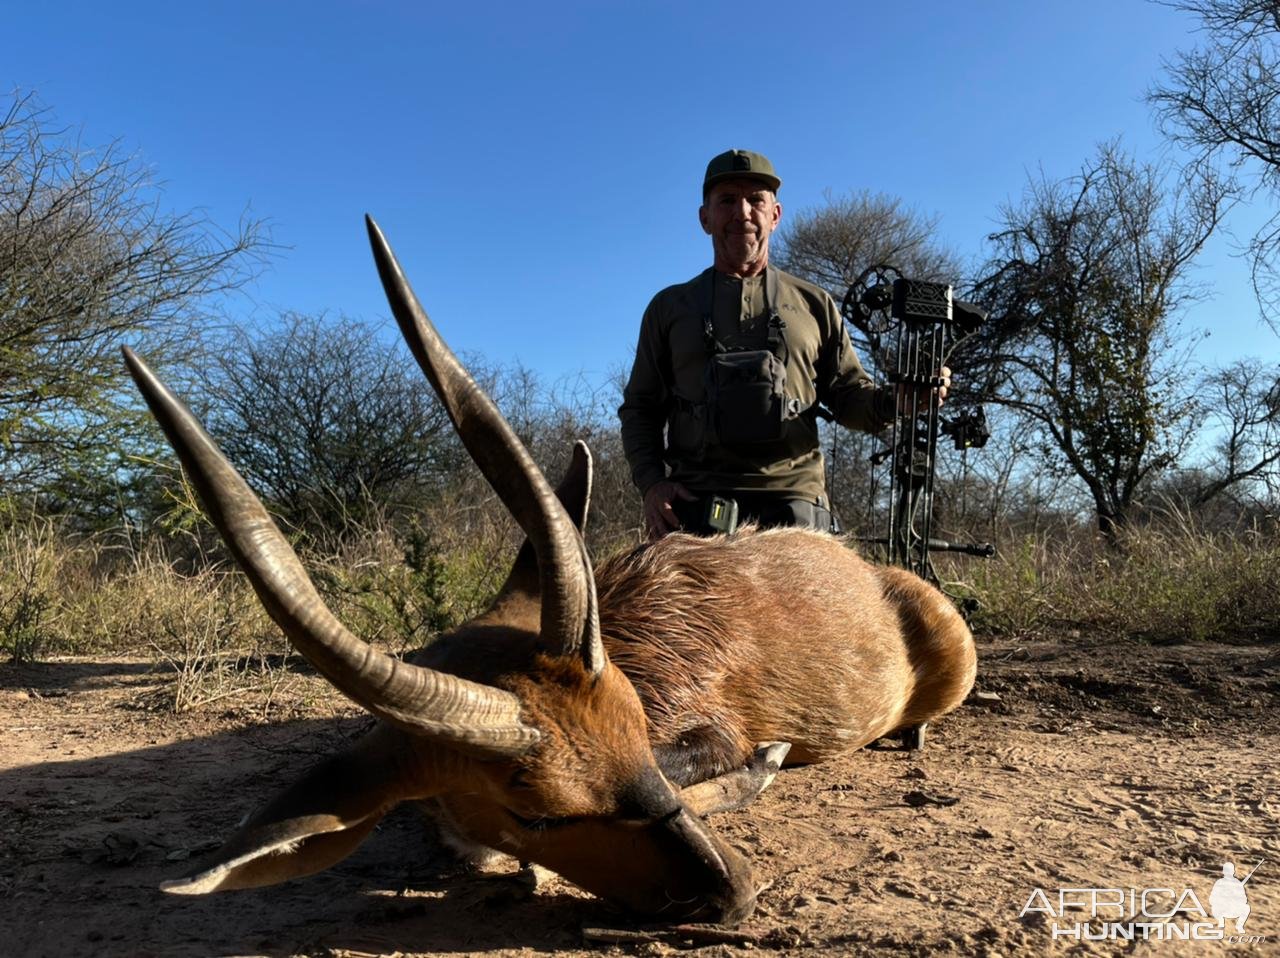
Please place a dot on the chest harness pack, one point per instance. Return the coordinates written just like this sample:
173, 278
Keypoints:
746, 388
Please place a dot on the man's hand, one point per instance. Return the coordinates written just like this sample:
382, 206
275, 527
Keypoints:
659, 516
913, 400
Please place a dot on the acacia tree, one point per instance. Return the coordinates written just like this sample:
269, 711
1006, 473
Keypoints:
1222, 101
88, 260
328, 420
1085, 282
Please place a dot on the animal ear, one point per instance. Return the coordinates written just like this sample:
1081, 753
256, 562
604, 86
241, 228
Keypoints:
315, 823
574, 493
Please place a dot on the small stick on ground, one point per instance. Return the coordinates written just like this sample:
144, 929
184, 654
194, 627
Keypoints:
674, 935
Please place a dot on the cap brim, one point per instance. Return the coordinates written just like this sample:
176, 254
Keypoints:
771, 181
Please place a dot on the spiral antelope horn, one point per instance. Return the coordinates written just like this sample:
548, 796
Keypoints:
421, 701
570, 624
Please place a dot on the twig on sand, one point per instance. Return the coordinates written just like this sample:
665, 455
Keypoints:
673, 935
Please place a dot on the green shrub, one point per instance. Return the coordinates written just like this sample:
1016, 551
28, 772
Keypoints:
387, 588
31, 564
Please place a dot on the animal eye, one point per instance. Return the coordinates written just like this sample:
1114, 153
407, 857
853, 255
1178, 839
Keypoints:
546, 823
632, 821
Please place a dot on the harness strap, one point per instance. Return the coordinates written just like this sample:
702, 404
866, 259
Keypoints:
706, 296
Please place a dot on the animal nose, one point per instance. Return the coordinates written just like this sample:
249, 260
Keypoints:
731, 896
731, 910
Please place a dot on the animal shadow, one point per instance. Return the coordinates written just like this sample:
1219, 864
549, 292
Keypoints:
84, 844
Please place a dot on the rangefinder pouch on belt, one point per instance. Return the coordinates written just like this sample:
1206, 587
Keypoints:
746, 389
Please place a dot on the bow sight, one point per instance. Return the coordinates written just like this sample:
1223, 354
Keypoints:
918, 323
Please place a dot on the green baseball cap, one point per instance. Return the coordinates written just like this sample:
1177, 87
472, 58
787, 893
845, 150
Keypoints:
738, 163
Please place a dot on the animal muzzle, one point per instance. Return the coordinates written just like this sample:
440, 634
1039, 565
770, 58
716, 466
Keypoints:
702, 878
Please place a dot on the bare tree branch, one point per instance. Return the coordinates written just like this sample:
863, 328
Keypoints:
88, 261
1221, 101
1084, 285
327, 420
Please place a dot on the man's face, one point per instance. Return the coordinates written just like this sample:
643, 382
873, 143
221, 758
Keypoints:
739, 215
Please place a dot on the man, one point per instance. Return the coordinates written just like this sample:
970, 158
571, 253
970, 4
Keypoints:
733, 365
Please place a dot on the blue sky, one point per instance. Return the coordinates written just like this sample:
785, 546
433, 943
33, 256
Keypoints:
537, 166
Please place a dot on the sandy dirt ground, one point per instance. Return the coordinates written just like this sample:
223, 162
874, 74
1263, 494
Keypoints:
1082, 765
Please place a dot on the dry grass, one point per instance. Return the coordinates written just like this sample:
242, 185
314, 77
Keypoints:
104, 595
198, 616
1170, 579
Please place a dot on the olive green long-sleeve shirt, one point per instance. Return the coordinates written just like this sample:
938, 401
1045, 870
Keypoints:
666, 391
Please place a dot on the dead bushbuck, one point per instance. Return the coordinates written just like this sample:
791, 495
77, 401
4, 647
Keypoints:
562, 725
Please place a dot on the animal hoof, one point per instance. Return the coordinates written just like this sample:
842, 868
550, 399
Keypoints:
531, 876
913, 737
768, 756
767, 761
517, 886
